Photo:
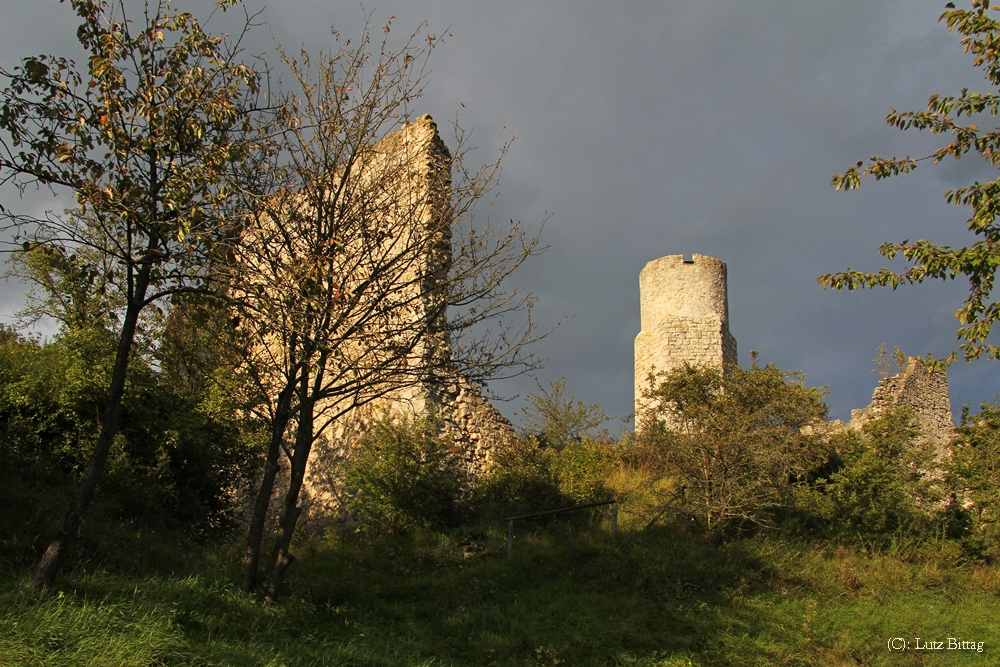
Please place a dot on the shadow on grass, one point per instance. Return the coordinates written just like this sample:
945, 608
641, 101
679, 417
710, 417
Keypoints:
570, 596
566, 598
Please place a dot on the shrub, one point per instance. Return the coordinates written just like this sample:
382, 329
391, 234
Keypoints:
974, 472
876, 483
174, 465
560, 458
581, 468
733, 440
406, 476
520, 480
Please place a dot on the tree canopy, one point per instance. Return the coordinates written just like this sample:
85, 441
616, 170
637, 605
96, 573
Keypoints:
733, 440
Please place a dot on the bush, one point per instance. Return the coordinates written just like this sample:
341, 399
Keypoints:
581, 468
520, 480
734, 441
174, 465
974, 471
559, 459
406, 476
875, 485
50, 399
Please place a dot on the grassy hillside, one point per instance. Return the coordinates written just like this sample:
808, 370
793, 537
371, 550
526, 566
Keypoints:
867, 561
572, 595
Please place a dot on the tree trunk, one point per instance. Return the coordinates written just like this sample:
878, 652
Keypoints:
255, 533
281, 558
55, 554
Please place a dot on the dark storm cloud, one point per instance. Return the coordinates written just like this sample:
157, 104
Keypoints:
655, 128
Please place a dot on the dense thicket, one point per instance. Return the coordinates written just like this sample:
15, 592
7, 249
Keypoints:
175, 466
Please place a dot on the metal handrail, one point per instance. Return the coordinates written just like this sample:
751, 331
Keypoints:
510, 520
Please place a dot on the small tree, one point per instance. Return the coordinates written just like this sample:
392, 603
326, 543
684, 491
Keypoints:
734, 441
72, 286
885, 362
146, 140
557, 421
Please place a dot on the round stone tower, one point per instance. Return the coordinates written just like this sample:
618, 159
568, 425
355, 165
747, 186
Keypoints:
685, 318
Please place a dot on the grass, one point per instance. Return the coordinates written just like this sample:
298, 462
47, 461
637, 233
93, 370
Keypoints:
572, 595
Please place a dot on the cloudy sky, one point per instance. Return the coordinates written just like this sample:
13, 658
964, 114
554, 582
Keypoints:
659, 127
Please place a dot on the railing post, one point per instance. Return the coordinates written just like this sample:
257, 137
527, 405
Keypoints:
614, 517
510, 538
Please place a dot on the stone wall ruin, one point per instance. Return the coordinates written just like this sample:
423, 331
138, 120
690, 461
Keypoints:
922, 390
417, 153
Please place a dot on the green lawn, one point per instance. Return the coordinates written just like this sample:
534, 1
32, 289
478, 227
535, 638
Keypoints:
568, 597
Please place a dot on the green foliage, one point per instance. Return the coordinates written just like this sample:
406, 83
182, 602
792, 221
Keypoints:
151, 140
560, 458
520, 480
734, 440
178, 463
977, 261
581, 468
406, 476
174, 465
50, 399
557, 421
974, 470
876, 485
74, 287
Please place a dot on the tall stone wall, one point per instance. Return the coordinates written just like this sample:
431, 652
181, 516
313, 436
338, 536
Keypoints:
475, 426
685, 318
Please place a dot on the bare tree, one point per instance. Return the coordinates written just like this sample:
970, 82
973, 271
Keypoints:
357, 277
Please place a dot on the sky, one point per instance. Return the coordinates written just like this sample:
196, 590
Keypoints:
653, 128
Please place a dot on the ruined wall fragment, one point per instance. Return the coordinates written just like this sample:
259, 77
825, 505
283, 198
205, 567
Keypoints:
419, 155
922, 390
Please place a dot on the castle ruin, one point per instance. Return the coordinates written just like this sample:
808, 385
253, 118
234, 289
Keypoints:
919, 388
685, 318
422, 196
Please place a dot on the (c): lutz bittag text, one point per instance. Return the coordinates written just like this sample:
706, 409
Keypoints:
922, 644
